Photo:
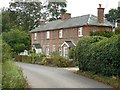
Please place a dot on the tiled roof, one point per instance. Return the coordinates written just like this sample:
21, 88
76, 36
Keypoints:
72, 22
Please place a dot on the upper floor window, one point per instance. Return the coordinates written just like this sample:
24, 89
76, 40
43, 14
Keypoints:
80, 32
48, 35
35, 36
60, 33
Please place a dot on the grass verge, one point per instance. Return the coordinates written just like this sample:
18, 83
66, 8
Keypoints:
12, 76
112, 81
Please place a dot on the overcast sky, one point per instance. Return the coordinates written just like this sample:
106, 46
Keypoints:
81, 7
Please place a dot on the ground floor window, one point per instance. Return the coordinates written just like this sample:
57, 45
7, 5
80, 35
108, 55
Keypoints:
53, 48
47, 51
60, 51
65, 52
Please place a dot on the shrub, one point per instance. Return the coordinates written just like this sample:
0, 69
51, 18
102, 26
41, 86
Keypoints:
101, 57
82, 50
6, 52
102, 33
60, 61
46, 61
71, 54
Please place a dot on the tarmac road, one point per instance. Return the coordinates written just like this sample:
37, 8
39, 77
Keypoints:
39, 76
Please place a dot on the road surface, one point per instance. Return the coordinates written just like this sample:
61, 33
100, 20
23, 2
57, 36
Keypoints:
49, 77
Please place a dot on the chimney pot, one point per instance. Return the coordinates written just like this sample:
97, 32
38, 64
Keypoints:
100, 5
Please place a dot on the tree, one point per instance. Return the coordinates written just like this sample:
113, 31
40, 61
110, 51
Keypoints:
28, 14
18, 40
56, 10
8, 20
113, 14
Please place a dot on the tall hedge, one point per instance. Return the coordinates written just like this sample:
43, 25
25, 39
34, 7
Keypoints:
101, 56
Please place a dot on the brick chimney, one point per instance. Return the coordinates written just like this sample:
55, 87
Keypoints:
100, 14
66, 16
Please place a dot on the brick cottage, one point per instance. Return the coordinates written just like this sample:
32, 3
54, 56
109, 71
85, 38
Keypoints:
61, 35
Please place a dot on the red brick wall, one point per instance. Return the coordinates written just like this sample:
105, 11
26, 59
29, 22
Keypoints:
87, 29
68, 34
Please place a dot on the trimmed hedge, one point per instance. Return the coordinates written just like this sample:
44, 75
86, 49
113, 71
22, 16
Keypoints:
102, 33
99, 55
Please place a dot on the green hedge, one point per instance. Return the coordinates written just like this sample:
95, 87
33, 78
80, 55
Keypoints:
102, 33
99, 55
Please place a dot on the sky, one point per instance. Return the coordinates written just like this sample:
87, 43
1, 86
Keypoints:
81, 7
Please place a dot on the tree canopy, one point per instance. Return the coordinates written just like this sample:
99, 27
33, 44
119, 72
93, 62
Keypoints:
26, 15
18, 40
113, 15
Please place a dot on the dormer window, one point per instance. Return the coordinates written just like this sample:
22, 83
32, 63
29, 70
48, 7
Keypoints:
60, 33
80, 32
35, 36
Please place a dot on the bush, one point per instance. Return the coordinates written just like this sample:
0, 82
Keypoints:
100, 57
102, 33
57, 60
71, 54
82, 50
6, 52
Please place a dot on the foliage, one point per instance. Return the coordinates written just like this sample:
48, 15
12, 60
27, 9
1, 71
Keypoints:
8, 20
102, 33
101, 57
18, 40
71, 54
84, 43
117, 30
26, 15
6, 52
12, 76
56, 10
113, 14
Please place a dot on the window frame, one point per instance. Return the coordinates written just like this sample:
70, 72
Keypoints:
60, 33
80, 32
47, 51
35, 36
48, 35
53, 48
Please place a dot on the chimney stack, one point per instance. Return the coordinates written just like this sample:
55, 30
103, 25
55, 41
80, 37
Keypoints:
100, 14
66, 16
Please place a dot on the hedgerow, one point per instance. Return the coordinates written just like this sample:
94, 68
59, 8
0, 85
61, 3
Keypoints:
99, 55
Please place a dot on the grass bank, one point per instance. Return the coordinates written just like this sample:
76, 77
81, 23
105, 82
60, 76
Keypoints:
12, 76
112, 81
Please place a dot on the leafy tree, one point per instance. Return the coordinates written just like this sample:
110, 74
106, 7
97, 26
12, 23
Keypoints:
8, 20
28, 14
18, 40
56, 10
113, 15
